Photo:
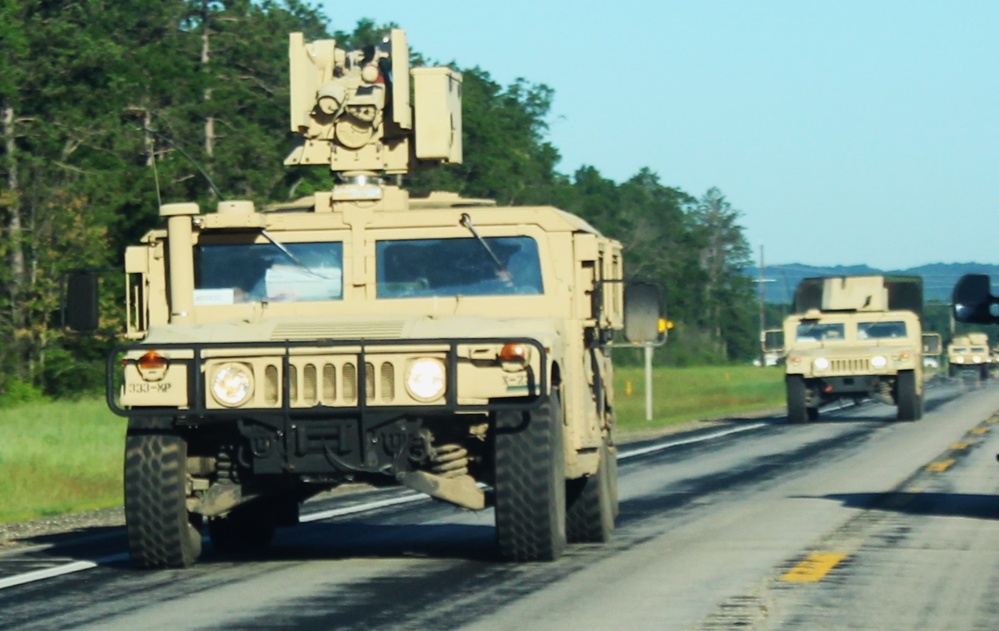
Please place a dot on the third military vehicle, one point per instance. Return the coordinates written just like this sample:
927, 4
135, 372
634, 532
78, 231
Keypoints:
448, 345
854, 337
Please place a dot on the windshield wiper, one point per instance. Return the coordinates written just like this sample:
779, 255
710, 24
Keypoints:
466, 222
287, 252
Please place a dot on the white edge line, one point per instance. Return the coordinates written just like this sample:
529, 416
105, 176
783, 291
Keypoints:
361, 508
687, 441
59, 570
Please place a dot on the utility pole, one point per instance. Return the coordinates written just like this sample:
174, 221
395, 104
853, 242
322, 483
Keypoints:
763, 313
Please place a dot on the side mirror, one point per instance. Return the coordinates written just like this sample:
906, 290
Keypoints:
80, 311
642, 314
973, 301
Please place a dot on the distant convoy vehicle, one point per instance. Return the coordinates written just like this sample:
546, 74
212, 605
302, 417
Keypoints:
855, 337
772, 347
969, 354
932, 350
444, 344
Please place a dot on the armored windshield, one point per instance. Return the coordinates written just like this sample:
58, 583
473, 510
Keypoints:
415, 268
819, 332
880, 330
229, 273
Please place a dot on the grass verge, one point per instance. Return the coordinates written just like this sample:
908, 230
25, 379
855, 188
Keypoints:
59, 457
682, 395
65, 457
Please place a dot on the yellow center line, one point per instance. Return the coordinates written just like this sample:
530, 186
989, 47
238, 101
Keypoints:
980, 430
814, 567
940, 466
958, 446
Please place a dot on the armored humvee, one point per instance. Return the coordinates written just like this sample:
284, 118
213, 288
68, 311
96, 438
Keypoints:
969, 353
448, 345
854, 337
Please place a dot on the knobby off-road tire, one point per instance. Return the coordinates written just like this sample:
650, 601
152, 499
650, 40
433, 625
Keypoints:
910, 405
161, 533
530, 483
246, 531
591, 502
796, 410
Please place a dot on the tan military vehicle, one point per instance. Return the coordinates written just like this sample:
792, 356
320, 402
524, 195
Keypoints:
969, 354
854, 337
772, 346
448, 345
932, 350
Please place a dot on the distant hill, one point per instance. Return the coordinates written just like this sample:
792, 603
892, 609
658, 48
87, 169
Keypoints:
938, 278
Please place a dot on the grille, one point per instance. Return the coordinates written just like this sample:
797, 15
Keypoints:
312, 383
849, 365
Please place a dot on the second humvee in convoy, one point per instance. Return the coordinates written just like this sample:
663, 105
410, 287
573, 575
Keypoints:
854, 337
969, 354
448, 345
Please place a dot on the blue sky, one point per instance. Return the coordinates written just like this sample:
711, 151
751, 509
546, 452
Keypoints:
845, 132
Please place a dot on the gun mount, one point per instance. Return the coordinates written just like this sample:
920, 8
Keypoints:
358, 112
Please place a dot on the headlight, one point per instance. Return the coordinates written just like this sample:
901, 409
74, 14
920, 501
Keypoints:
879, 361
976, 359
820, 363
232, 384
958, 360
425, 379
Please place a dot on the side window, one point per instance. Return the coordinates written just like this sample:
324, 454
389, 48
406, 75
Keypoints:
414, 268
880, 330
257, 272
819, 332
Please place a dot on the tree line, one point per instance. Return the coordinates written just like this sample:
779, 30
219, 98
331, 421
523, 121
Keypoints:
109, 108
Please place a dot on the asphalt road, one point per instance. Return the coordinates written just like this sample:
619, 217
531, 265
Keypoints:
855, 521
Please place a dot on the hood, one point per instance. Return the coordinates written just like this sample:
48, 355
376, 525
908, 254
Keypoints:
367, 328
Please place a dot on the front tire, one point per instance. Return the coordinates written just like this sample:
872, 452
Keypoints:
909, 403
161, 532
592, 502
530, 483
797, 412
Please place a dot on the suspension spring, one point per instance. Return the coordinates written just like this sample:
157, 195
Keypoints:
449, 461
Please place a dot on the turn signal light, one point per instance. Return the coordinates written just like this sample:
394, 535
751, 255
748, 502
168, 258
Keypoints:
151, 361
152, 366
514, 352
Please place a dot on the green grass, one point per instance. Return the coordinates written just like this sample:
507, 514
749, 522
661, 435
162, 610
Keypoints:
59, 457
681, 395
67, 456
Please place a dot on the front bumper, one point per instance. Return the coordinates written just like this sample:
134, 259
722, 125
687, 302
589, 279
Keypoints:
326, 378
310, 420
